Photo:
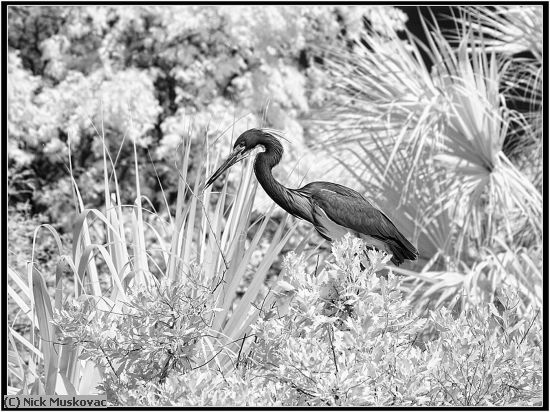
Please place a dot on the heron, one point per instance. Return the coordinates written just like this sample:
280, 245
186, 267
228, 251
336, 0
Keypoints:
334, 210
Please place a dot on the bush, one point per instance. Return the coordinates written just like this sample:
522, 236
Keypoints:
345, 336
137, 343
157, 75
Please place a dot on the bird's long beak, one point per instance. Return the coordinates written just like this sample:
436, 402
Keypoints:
236, 156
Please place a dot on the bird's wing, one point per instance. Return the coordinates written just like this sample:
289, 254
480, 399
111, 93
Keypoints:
350, 209
315, 187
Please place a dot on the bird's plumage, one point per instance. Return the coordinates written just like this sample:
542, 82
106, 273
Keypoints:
333, 209
349, 209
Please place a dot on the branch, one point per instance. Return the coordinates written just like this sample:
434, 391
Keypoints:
329, 328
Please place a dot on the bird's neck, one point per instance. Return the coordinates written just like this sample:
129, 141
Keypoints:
263, 164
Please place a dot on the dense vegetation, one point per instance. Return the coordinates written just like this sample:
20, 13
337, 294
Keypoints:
127, 278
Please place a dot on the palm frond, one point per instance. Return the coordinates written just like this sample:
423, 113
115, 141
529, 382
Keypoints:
506, 29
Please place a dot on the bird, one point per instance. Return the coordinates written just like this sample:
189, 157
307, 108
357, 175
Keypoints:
334, 210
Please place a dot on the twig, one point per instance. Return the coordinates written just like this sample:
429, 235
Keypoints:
164, 372
329, 327
529, 328
240, 351
316, 266
209, 360
109, 360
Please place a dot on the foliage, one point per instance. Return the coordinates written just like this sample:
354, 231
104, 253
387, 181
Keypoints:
123, 250
346, 336
167, 295
350, 339
441, 142
171, 72
157, 331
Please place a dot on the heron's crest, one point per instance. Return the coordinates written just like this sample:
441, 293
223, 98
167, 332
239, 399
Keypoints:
275, 132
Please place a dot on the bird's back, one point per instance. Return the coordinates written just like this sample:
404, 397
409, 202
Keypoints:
317, 188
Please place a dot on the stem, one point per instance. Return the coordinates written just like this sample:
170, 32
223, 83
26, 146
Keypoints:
329, 328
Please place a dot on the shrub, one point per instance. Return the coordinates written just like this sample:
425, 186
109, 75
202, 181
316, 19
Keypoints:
347, 336
137, 343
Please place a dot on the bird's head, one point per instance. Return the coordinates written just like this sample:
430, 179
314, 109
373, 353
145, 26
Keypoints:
242, 148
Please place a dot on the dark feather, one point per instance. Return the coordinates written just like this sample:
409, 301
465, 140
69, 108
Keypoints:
348, 208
